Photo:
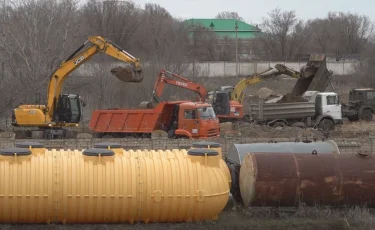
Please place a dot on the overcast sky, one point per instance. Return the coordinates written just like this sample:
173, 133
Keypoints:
253, 11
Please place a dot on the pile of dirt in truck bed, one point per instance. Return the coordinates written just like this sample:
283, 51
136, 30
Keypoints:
287, 98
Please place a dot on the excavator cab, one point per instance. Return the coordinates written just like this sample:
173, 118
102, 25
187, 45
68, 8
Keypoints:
221, 100
69, 109
221, 103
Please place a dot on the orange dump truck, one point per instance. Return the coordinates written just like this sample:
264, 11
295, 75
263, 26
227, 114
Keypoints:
180, 119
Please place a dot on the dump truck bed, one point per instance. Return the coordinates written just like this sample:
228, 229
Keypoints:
131, 120
316, 76
272, 111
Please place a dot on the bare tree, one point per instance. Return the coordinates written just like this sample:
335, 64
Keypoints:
353, 30
36, 37
203, 44
116, 20
284, 34
229, 15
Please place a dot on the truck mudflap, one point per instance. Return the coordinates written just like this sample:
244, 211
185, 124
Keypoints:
182, 132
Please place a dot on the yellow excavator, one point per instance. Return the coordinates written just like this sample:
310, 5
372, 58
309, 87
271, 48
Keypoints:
227, 101
65, 110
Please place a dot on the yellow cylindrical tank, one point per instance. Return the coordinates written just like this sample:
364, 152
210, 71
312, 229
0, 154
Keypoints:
99, 186
115, 147
119, 150
217, 147
34, 147
26, 186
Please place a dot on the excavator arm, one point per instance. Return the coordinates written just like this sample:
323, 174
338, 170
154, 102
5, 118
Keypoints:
238, 92
179, 81
133, 73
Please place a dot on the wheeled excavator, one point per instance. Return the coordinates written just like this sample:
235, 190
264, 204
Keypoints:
65, 110
227, 101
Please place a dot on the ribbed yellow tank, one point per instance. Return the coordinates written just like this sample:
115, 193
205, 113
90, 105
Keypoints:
217, 147
99, 186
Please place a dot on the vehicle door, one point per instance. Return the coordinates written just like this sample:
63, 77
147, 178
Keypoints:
332, 107
370, 96
189, 121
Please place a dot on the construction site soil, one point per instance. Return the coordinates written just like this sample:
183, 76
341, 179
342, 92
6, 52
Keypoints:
346, 130
305, 218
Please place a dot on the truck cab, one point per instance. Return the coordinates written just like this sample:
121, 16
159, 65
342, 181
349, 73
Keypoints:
327, 106
361, 104
195, 120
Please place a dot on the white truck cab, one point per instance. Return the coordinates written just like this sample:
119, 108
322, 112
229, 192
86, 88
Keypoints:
328, 104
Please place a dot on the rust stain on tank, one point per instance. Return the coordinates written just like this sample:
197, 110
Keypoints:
325, 179
328, 179
307, 183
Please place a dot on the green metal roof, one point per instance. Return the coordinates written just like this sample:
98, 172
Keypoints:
226, 27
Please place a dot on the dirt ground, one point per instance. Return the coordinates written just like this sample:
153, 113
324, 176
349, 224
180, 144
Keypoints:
252, 218
347, 130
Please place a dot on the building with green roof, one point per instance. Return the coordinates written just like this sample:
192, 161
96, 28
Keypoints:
226, 27
225, 31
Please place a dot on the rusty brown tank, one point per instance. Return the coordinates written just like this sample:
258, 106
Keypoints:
286, 180
236, 153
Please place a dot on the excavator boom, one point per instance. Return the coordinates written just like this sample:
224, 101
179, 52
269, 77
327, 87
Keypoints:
132, 73
238, 93
178, 81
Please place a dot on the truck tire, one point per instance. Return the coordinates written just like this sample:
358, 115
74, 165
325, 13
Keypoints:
326, 125
367, 115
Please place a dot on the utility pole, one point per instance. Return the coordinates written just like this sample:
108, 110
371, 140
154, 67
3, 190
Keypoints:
236, 27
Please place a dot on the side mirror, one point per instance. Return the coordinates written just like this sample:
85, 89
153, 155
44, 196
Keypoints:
84, 104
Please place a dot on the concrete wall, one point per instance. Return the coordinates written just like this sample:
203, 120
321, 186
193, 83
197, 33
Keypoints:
225, 69
345, 145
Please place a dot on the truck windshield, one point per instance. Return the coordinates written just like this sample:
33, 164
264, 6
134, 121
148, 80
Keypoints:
206, 113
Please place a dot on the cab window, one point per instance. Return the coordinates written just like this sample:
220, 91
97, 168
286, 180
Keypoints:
370, 95
190, 114
331, 100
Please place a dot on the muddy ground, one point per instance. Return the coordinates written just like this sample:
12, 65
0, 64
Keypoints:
346, 130
253, 218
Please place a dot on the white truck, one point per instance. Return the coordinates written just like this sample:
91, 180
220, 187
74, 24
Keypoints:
321, 110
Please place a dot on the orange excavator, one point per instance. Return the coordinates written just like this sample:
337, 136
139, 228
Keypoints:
167, 77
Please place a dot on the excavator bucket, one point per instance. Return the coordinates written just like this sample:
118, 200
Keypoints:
128, 74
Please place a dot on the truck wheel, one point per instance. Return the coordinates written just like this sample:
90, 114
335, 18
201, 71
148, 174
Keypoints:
367, 115
326, 125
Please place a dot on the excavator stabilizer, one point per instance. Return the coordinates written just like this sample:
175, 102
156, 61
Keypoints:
128, 74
